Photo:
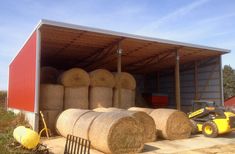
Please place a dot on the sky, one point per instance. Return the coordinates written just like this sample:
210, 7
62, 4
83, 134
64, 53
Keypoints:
205, 22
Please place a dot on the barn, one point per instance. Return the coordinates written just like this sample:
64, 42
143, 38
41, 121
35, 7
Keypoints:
181, 71
230, 101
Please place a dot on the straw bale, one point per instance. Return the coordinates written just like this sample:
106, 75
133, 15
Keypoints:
50, 117
116, 132
127, 98
146, 110
48, 75
82, 126
171, 124
100, 97
102, 78
67, 119
147, 122
51, 97
127, 81
74, 77
149, 127
76, 97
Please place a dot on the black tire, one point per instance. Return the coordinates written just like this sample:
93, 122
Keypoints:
211, 127
194, 127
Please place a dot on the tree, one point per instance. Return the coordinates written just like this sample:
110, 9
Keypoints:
229, 81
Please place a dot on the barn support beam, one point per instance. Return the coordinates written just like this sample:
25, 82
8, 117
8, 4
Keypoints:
196, 79
177, 80
119, 70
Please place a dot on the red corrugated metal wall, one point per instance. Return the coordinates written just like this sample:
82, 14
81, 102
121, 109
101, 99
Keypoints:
230, 101
22, 72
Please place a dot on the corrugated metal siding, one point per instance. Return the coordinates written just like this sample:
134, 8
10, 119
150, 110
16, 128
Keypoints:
209, 87
209, 82
21, 91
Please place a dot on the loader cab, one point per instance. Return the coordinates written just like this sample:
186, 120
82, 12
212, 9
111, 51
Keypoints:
198, 104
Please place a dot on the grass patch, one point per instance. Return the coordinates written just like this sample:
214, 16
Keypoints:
8, 121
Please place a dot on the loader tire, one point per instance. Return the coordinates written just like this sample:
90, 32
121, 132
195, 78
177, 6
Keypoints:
209, 129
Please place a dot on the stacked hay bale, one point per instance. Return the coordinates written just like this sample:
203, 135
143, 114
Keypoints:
147, 122
76, 82
112, 132
51, 104
48, 75
101, 88
127, 84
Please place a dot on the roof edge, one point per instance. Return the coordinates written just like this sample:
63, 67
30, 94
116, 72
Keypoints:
110, 32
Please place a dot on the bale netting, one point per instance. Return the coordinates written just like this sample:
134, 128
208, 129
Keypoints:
127, 98
146, 110
100, 97
50, 119
101, 78
67, 119
127, 81
48, 75
147, 122
74, 77
116, 132
82, 126
51, 97
76, 97
171, 124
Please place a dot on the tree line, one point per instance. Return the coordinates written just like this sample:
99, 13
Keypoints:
229, 81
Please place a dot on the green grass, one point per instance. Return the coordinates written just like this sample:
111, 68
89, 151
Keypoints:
8, 121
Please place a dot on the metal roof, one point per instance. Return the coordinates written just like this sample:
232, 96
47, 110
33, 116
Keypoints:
66, 45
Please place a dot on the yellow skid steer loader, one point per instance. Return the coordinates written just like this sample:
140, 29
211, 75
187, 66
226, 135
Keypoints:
210, 119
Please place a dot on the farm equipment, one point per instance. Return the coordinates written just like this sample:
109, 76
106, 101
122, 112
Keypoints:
210, 119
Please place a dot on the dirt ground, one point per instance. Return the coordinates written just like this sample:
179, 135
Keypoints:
195, 145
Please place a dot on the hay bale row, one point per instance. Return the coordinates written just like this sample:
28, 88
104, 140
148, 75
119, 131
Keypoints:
146, 122
77, 77
112, 132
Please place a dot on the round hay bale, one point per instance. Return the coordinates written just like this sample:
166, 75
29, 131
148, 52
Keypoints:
48, 75
82, 126
74, 77
66, 120
146, 110
51, 97
127, 81
76, 97
116, 132
171, 124
127, 98
50, 117
100, 97
149, 127
102, 78
110, 109
147, 122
